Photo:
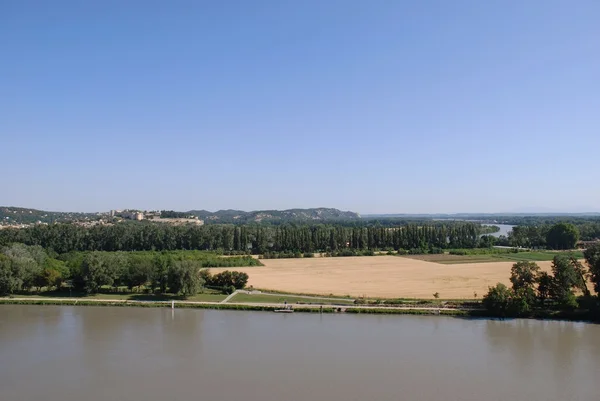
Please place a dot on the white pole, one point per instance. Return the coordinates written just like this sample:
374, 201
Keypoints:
172, 304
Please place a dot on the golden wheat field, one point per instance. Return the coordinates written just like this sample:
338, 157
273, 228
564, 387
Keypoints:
380, 276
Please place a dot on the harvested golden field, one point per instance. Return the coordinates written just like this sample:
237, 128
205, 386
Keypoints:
379, 276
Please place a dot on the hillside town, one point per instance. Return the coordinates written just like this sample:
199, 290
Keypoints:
24, 218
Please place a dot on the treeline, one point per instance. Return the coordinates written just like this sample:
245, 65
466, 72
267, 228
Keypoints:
171, 214
535, 235
557, 236
23, 268
63, 238
533, 289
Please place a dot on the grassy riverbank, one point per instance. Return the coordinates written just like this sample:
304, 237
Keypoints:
577, 315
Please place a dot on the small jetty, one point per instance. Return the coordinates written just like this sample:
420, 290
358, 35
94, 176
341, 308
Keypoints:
286, 309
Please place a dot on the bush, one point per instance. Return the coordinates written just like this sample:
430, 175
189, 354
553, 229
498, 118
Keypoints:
460, 252
497, 300
309, 255
228, 290
417, 251
238, 280
281, 255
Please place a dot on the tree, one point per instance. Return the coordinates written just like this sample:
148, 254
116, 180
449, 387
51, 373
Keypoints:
117, 266
139, 272
227, 279
523, 275
544, 281
48, 277
239, 279
523, 278
497, 300
160, 274
505, 302
592, 258
487, 241
25, 264
184, 278
565, 278
581, 273
562, 236
96, 272
8, 282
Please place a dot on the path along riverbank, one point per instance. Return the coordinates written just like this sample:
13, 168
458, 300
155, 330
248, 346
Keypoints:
577, 315
315, 308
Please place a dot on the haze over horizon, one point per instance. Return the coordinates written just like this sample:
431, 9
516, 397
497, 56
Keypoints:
377, 108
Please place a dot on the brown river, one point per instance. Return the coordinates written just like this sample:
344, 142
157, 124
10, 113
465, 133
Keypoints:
63, 353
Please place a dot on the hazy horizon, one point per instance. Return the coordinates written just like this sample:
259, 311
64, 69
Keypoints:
532, 211
374, 107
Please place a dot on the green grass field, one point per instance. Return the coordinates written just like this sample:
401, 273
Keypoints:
533, 256
290, 299
536, 256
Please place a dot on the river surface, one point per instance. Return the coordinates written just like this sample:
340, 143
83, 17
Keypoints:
63, 353
504, 229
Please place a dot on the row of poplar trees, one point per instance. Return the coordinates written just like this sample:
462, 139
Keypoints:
256, 239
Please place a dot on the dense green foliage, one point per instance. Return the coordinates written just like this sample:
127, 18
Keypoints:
171, 214
227, 280
531, 288
62, 238
25, 267
562, 236
592, 258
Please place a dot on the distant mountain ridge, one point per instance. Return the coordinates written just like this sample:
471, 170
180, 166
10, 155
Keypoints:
474, 215
320, 214
20, 215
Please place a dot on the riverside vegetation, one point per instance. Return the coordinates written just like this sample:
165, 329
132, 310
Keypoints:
165, 259
535, 293
184, 273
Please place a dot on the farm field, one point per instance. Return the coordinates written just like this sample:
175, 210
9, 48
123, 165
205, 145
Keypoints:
381, 276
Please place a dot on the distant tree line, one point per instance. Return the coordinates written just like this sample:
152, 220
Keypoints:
256, 239
557, 236
533, 289
23, 268
171, 214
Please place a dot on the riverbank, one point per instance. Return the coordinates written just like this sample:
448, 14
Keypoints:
578, 315
310, 308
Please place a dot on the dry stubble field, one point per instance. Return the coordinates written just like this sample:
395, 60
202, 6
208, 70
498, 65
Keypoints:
379, 276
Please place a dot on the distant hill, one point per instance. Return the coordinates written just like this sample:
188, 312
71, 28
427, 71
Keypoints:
476, 216
275, 216
18, 215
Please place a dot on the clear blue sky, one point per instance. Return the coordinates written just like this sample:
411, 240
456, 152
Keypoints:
373, 106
